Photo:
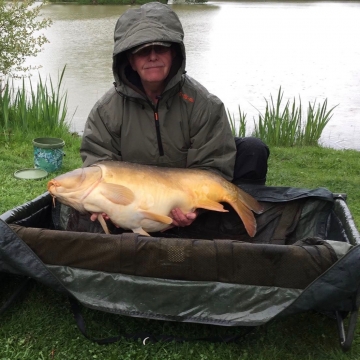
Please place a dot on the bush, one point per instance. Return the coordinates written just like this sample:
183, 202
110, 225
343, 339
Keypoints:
19, 27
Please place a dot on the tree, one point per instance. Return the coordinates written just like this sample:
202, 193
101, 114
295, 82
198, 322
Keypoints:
20, 35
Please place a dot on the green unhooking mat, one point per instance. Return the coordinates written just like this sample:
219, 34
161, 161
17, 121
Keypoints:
288, 266
305, 256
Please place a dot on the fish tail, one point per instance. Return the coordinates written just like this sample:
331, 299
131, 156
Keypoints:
244, 204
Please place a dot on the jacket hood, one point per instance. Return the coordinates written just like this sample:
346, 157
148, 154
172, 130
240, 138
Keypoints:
151, 22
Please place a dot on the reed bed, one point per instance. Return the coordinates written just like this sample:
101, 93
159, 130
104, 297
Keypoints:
283, 125
41, 108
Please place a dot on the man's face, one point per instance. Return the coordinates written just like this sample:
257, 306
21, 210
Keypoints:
152, 63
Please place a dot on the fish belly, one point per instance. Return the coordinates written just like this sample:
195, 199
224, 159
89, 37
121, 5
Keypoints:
135, 215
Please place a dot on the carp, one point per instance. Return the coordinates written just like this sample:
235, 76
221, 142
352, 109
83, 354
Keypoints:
140, 197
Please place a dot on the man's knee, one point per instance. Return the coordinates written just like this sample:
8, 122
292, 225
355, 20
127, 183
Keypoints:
251, 160
251, 144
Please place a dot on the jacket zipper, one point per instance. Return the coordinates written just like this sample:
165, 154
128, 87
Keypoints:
157, 127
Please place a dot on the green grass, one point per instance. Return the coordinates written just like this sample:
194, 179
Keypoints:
18, 154
42, 325
311, 167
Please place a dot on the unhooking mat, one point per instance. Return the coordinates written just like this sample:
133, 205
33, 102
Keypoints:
305, 256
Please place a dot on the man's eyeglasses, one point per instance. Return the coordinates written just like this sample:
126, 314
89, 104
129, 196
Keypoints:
146, 51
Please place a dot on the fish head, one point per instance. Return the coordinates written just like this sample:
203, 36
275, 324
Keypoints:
72, 187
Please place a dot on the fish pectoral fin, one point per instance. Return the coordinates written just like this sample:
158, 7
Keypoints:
140, 231
210, 205
156, 217
118, 194
103, 224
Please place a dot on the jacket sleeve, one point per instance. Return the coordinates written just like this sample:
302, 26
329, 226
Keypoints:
101, 138
212, 143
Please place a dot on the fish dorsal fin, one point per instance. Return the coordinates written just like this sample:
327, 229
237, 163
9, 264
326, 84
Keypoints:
156, 217
210, 205
118, 194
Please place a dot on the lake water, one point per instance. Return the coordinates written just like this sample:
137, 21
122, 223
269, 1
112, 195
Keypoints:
240, 51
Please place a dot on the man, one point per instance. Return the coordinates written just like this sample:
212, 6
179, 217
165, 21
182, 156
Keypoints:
157, 115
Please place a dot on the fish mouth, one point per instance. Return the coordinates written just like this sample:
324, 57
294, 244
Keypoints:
52, 183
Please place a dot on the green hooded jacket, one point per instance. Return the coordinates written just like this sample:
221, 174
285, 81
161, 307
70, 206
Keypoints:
187, 128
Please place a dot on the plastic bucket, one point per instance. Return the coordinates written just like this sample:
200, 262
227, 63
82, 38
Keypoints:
48, 154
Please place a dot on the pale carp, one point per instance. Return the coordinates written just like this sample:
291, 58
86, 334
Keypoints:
141, 197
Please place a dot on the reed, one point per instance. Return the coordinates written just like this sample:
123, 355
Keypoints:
4, 108
240, 130
279, 127
283, 125
316, 122
40, 109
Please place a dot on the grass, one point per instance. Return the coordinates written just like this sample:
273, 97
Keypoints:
42, 327
18, 154
49, 333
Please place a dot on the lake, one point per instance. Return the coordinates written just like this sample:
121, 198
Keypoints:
240, 51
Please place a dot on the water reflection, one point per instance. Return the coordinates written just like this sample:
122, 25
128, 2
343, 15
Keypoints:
241, 51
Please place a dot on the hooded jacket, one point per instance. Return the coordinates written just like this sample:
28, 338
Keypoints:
187, 128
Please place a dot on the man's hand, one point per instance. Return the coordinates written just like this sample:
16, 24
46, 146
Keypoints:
181, 219
94, 216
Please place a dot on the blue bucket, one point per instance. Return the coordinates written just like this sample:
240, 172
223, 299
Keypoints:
48, 153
